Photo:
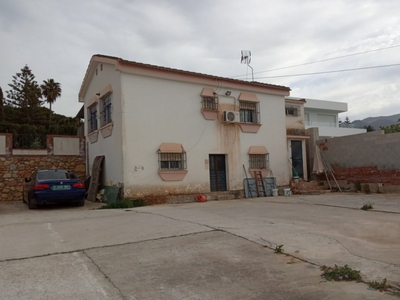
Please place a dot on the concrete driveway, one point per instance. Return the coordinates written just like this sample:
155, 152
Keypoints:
213, 250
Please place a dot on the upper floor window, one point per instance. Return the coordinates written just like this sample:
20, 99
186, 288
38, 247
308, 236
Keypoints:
92, 118
249, 106
209, 103
249, 112
209, 99
106, 108
292, 111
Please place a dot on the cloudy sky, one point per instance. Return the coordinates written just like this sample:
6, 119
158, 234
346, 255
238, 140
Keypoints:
56, 39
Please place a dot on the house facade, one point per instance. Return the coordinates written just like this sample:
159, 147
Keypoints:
168, 132
324, 115
296, 137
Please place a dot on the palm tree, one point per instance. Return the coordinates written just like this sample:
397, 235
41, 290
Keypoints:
51, 90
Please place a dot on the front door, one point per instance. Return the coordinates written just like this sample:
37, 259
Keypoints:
217, 173
297, 157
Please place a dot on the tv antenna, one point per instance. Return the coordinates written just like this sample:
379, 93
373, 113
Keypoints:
246, 59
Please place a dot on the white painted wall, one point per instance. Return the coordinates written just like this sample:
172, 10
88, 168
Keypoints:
2, 145
338, 131
110, 146
295, 122
160, 111
66, 146
321, 118
324, 105
29, 152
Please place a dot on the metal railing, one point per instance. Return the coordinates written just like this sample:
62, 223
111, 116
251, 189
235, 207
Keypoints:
209, 103
29, 141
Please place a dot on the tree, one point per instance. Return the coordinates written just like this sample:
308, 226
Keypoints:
369, 128
25, 92
51, 90
346, 123
392, 128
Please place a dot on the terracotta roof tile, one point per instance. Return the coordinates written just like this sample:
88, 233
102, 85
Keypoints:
137, 64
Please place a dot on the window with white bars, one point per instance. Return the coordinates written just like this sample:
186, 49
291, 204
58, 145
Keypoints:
259, 161
292, 111
172, 161
249, 112
92, 118
209, 103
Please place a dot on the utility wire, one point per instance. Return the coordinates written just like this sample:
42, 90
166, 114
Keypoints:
327, 72
321, 60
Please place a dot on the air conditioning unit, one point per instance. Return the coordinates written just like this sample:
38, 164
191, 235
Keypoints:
231, 116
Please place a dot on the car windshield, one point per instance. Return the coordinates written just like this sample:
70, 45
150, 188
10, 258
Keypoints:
54, 174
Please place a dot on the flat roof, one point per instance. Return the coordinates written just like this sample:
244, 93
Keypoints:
322, 104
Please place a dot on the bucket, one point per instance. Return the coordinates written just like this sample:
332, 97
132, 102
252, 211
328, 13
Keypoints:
286, 192
296, 178
274, 192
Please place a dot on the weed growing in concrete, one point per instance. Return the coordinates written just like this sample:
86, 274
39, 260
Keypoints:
337, 273
126, 203
366, 188
379, 285
394, 290
357, 186
279, 249
367, 206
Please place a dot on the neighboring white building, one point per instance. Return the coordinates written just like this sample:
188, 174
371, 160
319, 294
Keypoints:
166, 132
325, 116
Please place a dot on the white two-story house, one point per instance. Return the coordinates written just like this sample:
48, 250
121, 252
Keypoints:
167, 132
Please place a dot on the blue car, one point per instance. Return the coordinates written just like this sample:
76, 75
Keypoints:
53, 186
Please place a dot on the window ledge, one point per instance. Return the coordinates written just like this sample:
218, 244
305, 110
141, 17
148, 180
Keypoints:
172, 175
209, 114
250, 127
264, 172
106, 130
93, 136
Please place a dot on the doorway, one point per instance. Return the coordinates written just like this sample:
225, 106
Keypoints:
217, 172
297, 157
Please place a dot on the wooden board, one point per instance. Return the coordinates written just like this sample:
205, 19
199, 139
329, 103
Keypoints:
95, 178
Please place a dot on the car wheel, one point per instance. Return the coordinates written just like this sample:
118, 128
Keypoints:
32, 204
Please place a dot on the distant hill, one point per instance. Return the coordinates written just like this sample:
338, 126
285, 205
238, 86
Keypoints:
377, 122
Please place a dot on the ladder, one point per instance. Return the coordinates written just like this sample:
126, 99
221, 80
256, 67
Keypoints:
257, 177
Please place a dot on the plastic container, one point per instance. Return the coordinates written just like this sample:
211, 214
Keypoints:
287, 192
274, 192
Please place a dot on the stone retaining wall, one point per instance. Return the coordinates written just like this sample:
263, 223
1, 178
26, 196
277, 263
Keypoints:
13, 170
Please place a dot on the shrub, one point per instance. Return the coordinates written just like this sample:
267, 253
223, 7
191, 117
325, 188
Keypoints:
357, 186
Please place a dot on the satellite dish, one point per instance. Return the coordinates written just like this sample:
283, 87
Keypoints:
246, 57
